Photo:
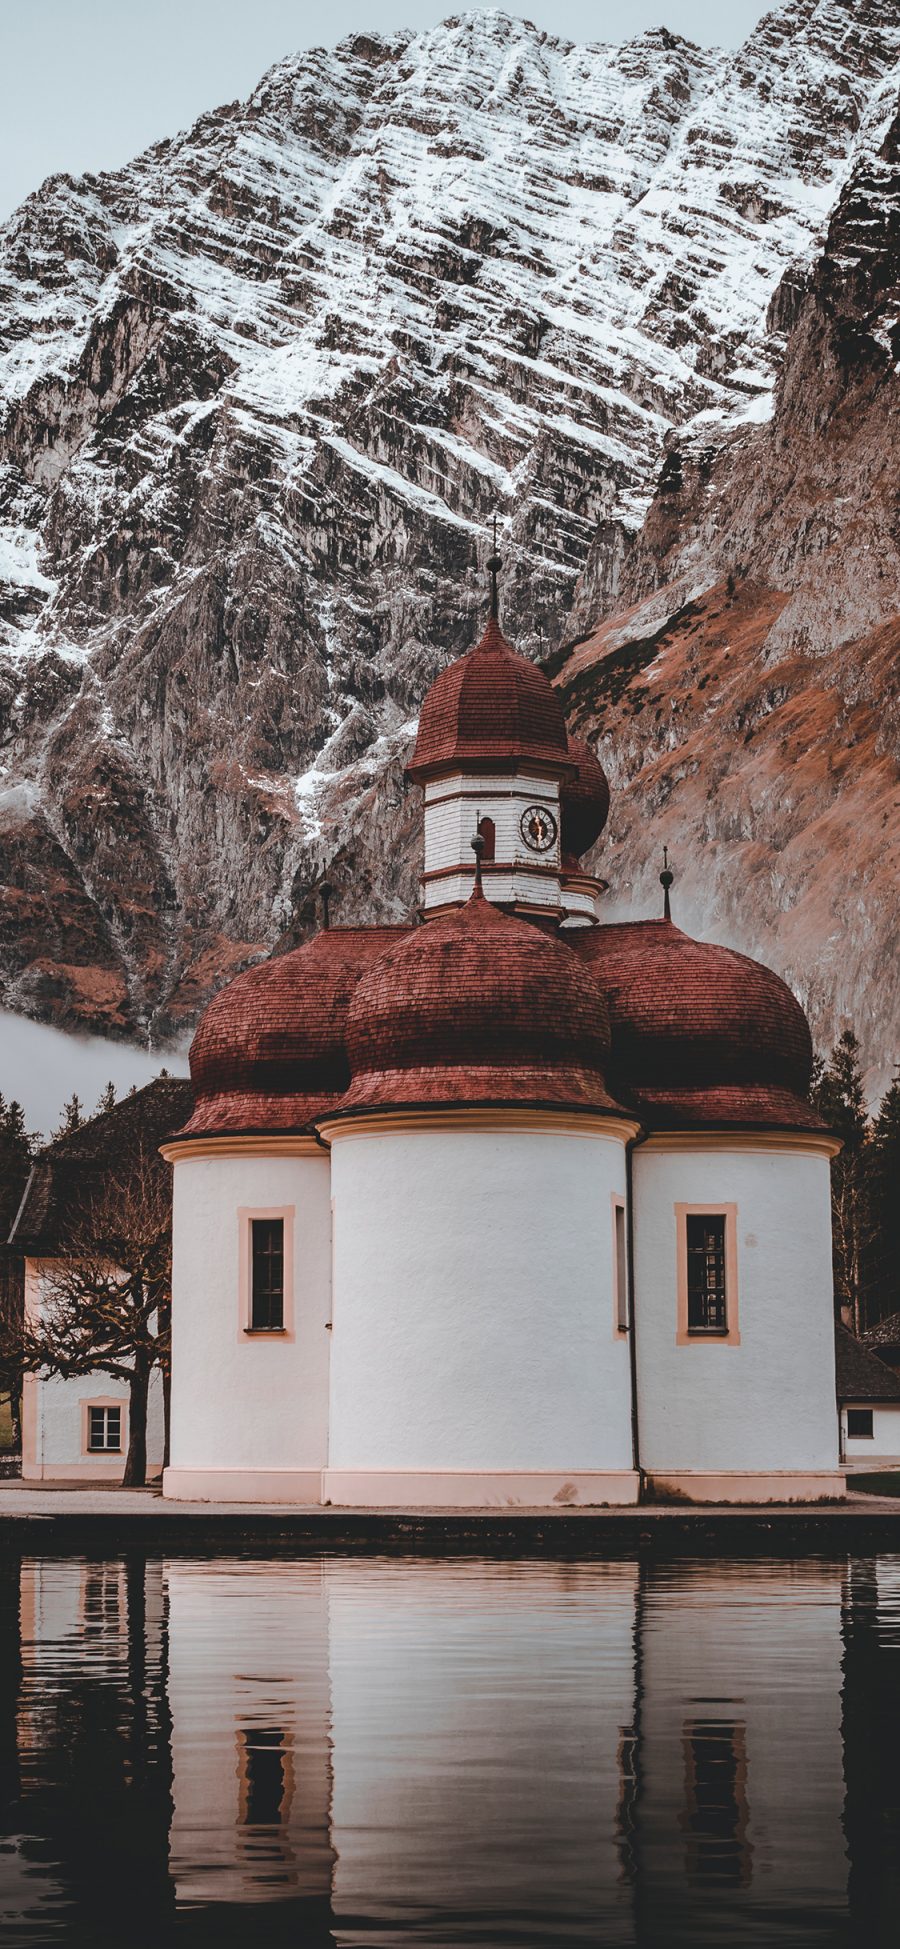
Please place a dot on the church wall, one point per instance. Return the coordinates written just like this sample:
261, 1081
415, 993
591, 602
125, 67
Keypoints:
248, 1405
762, 1401
474, 1319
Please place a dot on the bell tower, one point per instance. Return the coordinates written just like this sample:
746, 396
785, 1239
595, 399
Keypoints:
492, 754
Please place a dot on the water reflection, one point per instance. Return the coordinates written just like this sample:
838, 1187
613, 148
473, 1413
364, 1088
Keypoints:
391, 1752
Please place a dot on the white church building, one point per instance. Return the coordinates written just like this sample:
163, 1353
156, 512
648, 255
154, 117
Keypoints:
506, 1206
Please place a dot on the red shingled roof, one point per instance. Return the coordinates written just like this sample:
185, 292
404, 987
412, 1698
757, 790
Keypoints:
701, 1035
269, 1053
478, 1007
490, 708
584, 801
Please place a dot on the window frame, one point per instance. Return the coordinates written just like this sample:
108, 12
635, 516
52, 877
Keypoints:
685, 1335
621, 1293
246, 1328
104, 1402
854, 1434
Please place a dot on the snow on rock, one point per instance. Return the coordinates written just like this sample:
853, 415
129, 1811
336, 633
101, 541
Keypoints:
261, 392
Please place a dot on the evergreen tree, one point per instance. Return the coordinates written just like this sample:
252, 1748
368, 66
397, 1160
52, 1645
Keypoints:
17, 1148
72, 1118
840, 1097
884, 1199
106, 1100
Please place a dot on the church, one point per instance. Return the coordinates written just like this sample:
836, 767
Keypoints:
507, 1206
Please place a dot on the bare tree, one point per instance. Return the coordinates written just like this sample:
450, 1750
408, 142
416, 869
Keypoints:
106, 1305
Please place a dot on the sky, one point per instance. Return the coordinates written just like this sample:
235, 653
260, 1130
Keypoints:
87, 84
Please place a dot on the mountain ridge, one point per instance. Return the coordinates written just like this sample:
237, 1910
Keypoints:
260, 394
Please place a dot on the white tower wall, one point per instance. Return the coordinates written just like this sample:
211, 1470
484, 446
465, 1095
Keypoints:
752, 1416
475, 1354
249, 1410
517, 875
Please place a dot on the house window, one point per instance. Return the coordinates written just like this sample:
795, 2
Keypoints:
267, 1275
620, 1266
860, 1424
707, 1312
706, 1277
104, 1431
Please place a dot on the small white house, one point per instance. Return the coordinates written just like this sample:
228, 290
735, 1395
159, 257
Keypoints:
869, 1401
78, 1429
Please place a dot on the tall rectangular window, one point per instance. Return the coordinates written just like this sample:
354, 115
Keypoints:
706, 1270
104, 1431
267, 1275
620, 1247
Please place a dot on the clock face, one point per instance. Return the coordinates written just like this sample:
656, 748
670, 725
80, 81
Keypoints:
538, 828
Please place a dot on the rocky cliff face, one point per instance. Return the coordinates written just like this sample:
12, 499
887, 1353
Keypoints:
261, 392
746, 697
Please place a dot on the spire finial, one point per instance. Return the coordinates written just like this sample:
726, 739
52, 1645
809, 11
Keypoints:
665, 880
478, 849
495, 564
325, 897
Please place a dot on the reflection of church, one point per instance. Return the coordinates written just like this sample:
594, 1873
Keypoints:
510, 1207
417, 1751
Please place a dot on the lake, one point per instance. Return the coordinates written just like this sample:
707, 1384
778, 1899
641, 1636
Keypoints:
396, 1752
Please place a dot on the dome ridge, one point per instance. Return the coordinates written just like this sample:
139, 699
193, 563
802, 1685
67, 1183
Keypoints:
476, 1007
491, 708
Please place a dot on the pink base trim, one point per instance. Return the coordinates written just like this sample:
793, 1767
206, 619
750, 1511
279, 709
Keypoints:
782, 1485
86, 1471
478, 1489
302, 1486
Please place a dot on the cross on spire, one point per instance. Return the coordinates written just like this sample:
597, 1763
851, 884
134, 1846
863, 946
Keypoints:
495, 564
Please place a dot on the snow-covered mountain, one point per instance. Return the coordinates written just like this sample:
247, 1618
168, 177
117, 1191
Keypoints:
261, 393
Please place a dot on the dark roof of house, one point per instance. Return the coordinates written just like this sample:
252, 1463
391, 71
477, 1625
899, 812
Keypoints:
861, 1376
67, 1172
885, 1334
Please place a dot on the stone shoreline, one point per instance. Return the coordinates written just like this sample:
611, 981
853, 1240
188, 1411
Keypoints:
67, 1519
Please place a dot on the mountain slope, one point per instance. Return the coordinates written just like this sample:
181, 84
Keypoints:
260, 394
747, 700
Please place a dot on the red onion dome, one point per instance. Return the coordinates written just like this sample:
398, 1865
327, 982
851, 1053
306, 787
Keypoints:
584, 801
491, 708
478, 1007
269, 1053
700, 1035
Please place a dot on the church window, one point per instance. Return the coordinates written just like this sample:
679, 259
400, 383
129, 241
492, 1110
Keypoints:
267, 1274
488, 833
266, 1270
860, 1424
620, 1265
707, 1299
707, 1275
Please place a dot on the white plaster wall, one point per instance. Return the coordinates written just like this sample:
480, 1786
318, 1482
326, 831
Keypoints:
885, 1443
473, 1301
53, 1425
768, 1404
60, 1425
452, 809
241, 1401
